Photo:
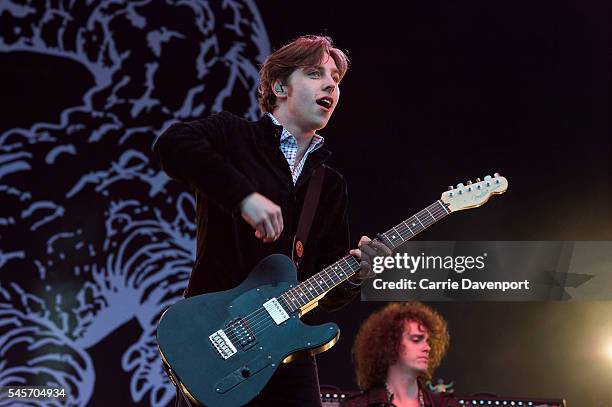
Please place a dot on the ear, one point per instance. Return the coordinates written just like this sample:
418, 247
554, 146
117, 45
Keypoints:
279, 89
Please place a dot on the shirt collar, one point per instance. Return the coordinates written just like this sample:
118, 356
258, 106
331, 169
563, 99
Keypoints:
316, 142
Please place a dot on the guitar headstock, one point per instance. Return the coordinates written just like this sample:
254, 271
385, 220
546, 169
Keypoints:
475, 194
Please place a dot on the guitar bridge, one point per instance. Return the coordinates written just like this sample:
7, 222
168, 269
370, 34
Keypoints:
222, 344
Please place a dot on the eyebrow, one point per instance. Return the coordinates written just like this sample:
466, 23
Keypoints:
334, 71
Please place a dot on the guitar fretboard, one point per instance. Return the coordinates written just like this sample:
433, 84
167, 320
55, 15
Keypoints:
336, 273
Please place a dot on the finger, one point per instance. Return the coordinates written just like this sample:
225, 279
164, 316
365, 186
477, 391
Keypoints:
275, 226
356, 253
279, 215
369, 251
269, 229
365, 271
363, 240
381, 248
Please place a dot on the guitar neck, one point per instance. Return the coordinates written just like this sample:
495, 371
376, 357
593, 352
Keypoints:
319, 284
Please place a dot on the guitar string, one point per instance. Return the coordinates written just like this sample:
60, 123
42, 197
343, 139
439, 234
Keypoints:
262, 319
258, 320
261, 315
255, 325
286, 299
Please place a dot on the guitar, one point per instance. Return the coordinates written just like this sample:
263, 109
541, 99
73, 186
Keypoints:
222, 348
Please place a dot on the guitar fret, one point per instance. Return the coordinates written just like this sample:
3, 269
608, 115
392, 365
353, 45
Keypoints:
443, 206
301, 296
335, 267
389, 241
423, 219
333, 276
324, 281
294, 300
283, 302
395, 230
406, 232
349, 265
417, 218
312, 287
415, 225
430, 214
308, 292
408, 226
288, 301
355, 267
315, 279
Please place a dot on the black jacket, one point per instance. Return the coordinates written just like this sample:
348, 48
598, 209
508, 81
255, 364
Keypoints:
224, 158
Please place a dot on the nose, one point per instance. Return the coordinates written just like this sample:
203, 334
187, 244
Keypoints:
426, 348
329, 88
330, 84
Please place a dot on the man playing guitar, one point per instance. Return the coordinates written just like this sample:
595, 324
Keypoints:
250, 180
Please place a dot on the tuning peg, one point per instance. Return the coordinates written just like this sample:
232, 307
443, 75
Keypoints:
487, 177
450, 187
460, 185
496, 174
477, 179
469, 182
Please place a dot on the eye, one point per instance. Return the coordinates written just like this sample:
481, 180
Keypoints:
314, 74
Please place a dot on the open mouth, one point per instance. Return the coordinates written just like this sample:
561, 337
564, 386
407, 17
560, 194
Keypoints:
325, 102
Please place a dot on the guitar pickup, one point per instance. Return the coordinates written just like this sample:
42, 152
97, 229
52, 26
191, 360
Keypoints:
276, 311
222, 344
240, 330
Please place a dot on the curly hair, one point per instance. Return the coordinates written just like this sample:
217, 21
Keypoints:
377, 343
305, 51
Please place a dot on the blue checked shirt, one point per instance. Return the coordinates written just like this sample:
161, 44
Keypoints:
289, 148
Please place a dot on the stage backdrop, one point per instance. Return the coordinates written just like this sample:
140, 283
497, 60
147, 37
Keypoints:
95, 241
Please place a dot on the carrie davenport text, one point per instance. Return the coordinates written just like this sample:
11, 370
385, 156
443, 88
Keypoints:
465, 284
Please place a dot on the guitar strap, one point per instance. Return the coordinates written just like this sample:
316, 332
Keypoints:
307, 215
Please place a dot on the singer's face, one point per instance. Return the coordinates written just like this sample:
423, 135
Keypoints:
313, 93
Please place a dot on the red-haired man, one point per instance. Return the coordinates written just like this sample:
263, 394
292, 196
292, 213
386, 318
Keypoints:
396, 350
